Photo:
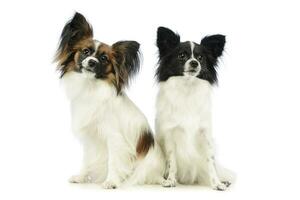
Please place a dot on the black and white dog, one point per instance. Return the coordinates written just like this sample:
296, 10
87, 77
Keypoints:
186, 73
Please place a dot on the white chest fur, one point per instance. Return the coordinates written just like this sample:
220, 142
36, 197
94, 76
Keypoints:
90, 100
185, 102
183, 123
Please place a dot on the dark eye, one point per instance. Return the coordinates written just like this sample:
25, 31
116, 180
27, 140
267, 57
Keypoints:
182, 56
199, 57
104, 58
86, 51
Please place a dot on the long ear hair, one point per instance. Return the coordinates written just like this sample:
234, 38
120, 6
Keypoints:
214, 44
127, 61
166, 40
75, 30
213, 48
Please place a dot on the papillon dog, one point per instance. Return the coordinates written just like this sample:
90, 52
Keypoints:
186, 73
117, 141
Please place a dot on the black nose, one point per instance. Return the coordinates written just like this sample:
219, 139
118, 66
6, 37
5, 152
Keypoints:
194, 64
92, 63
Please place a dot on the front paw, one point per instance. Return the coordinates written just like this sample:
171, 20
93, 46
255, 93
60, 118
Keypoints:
169, 183
109, 185
79, 179
222, 186
227, 183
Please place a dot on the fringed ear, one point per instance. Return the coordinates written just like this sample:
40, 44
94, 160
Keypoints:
127, 62
166, 40
214, 44
77, 29
213, 48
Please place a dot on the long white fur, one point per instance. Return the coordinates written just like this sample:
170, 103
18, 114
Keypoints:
183, 128
108, 126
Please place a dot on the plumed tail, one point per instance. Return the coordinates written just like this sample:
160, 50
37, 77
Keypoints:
145, 142
150, 169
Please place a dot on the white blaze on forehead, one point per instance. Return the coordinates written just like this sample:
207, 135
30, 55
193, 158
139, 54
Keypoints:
85, 62
97, 44
187, 65
192, 48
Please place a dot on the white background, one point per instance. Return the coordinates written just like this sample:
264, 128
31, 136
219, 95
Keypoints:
256, 105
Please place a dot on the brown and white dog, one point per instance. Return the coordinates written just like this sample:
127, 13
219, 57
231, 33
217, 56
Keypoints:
117, 140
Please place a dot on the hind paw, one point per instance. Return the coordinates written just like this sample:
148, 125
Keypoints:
222, 186
79, 179
109, 185
169, 183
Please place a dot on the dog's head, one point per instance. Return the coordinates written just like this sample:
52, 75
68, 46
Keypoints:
79, 52
188, 58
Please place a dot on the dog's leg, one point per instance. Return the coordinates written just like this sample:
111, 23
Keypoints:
83, 176
112, 180
172, 170
120, 164
169, 150
209, 158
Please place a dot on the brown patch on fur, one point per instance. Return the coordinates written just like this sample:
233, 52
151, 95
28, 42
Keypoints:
85, 43
111, 78
68, 58
63, 55
145, 142
111, 70
126, 56
75, 34
105, 48
123, 56
121, 73
76, 58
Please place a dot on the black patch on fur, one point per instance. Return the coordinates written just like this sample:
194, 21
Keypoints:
214, 44
172, 64
212, 48
166, 40
75, 30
